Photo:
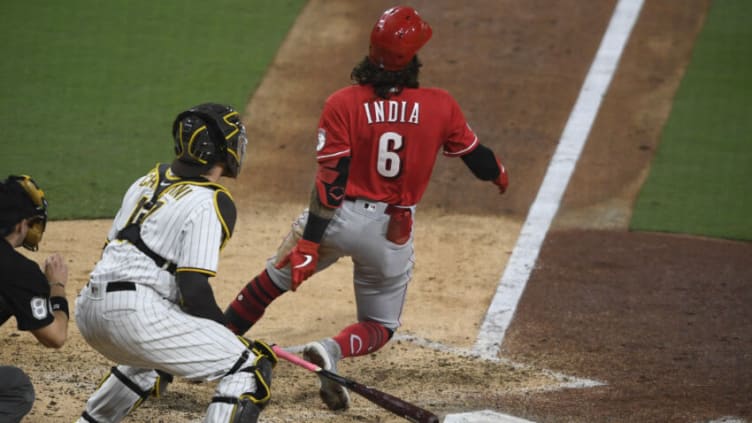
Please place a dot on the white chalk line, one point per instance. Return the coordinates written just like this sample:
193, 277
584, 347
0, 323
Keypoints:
546, 204
564, 381
544, 208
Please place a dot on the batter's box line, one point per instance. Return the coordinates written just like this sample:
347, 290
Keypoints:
565, 381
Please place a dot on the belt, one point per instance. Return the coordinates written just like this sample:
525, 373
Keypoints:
120, 286
372, 205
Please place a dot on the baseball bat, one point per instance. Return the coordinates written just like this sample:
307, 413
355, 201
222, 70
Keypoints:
389, 402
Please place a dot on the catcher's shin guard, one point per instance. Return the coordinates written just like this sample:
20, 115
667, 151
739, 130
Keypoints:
123, 390
242, 394
262, 368
246, 412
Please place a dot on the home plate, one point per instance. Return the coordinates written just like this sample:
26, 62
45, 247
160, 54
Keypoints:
485, 416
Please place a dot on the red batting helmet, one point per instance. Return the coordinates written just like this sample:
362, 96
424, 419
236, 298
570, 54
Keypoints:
396, 38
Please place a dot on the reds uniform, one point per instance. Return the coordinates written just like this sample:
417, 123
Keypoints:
377, 144
392, 146
133, 309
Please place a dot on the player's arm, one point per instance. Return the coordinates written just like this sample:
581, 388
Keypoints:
197, 297
487, 167
196, 294
55, 334
326, 196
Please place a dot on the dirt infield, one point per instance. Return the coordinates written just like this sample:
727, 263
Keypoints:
662, 321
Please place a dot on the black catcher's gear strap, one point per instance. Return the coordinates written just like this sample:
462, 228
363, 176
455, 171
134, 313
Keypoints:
132, 234
160, 386
197, 297
482, 162
225, 205
132, 231
261, 368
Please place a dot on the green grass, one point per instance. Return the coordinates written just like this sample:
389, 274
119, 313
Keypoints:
89, 88
700, 181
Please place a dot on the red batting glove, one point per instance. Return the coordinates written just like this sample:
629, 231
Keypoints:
302, 259
502, 181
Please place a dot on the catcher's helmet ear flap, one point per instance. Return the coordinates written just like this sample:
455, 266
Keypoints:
30, 204
396, 38
207, 134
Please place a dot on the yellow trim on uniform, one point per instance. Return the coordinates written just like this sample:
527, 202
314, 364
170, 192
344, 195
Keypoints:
171, 176
197, 270
225, 229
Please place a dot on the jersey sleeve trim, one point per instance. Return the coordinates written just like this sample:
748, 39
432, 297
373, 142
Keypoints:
464, 151
333, 155
224, 205
209, 273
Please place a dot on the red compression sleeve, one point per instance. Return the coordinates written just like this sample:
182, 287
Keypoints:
362, 338
251, 302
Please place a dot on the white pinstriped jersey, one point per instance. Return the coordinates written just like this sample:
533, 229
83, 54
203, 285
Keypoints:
184, 227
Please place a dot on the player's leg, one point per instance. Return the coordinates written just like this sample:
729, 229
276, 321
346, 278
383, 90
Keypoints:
148, 331
16, 394
251, 302
382, 271
378, 314
243, 370
121, 391
381, 274
241, 394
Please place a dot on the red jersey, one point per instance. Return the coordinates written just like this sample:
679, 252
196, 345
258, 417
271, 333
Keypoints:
392, 143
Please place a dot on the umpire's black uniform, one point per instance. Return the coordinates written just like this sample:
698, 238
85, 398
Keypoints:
23, 290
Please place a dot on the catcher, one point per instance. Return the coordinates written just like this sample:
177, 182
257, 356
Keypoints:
148, 305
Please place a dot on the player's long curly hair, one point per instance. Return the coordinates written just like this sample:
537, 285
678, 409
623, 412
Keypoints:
386, 83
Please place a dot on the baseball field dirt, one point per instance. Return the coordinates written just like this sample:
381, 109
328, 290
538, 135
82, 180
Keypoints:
661, 322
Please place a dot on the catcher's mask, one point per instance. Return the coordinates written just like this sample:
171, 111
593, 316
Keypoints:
207, 134
23, 199
396, 38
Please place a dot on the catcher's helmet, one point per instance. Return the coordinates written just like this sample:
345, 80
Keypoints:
396, 38
21, 198
205, 135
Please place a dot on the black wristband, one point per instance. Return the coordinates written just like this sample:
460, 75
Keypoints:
60, 304
315, 227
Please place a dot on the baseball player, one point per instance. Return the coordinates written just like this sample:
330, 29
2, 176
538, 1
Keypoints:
148, 304
36, 299
378, 141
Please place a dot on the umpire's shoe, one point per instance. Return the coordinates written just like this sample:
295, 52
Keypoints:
325, 354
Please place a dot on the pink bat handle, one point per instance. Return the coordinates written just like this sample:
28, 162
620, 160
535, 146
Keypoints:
294, 359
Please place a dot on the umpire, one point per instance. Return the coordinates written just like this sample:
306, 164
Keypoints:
36, 299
